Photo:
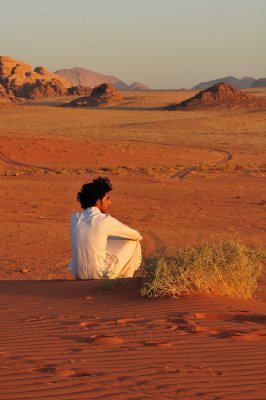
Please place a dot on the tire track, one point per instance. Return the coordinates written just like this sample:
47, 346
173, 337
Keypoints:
184, 172
227, 156
15, 163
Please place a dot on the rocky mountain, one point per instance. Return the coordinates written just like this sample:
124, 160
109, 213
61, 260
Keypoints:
242, 83
102, 95
85, 77
259, 83
138, 86
220, 95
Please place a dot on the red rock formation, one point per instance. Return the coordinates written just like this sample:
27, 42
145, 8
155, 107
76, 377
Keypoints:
6, 95
79, 91
42, 71
44, 89
24, 82
221, 95
102, 95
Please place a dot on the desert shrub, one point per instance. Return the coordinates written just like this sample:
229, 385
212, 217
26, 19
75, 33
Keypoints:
225, 268
108, 282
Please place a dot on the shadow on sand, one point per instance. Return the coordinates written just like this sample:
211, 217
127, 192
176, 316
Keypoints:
127, 288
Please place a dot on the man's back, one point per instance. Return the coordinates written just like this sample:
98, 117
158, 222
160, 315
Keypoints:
90, 230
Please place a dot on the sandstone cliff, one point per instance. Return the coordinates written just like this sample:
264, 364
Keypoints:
19, 81
19, 78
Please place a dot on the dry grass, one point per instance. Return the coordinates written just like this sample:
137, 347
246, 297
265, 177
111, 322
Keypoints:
227, 268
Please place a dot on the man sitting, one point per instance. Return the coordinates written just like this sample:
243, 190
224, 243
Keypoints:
101, 245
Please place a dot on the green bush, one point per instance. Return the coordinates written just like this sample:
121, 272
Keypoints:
227, 268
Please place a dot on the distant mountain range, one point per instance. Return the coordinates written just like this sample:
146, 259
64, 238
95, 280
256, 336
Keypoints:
259, 83
243, 83
84, 77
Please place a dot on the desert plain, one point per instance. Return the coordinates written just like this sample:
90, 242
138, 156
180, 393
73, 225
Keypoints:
180, 178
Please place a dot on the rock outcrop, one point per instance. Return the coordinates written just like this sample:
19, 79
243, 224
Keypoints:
79, 91
81, 76
219, 96
44, 89
102, 95
6, 95
24, 82
19, 82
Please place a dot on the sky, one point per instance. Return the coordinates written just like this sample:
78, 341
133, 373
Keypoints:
166, 44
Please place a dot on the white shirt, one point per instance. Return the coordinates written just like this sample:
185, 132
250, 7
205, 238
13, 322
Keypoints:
89, 232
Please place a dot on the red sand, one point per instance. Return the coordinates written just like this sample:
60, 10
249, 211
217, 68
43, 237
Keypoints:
180, 179
76, 340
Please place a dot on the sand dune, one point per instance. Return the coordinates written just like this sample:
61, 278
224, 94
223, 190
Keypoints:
69, 340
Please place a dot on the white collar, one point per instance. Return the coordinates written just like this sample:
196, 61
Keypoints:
93, 209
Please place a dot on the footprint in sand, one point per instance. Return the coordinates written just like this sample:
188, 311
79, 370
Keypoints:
256, 318
169, 370
131, 321
244, 317
208, 329
252, 336
237, 335
157, 343
219, 316
105, 340
46, 369
72, 325
182, 325
178, 320
72, 373
87, 324
54, 370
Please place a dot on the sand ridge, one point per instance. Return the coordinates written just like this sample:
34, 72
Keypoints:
77, 340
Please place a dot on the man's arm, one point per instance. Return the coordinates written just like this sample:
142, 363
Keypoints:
116, 228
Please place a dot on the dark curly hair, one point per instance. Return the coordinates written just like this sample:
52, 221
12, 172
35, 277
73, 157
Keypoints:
93, 191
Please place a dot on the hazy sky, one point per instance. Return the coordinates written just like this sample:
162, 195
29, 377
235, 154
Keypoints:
162, 43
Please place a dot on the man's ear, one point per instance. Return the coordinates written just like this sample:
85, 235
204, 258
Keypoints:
98, 202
